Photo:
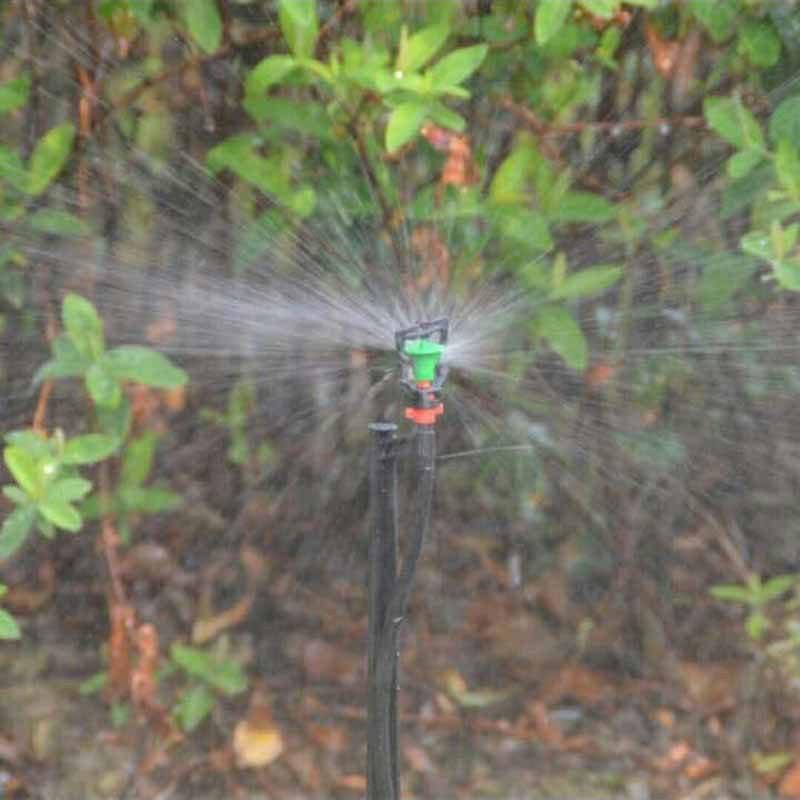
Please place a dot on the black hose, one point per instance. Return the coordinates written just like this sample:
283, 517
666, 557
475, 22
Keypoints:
383, 781
382, 772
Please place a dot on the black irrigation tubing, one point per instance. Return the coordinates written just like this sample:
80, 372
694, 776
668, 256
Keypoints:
389, 593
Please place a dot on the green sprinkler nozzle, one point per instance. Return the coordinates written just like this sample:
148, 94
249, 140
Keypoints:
425, 356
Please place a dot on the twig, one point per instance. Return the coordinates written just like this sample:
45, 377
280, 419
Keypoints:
608, 126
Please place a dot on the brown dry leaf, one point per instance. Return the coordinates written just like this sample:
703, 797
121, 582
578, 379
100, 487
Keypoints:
175, 398
434, 255
256, 739
663, 52
709, 687
352, 783
119, 655
790, 782
579, 683
162, 329
208, 628
418, 759
539, 722
24, 598
323, 662
332, 738
700, 768
599, 374
459, 169
665, 717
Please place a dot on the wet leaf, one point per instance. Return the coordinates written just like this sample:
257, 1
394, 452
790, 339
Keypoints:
587, 282
102, 387
204, 23
743, 162
557, 326
48, 158
61, 513
300, 26
404, 124
419, 48
24, 468
89, 448
194, 706
68, 490
223, 674
785, 121
759, 42
734, 122
584, 207
55, 222
143, 365
14, 93
9, 629
718, 18
269, 71
457, 66
17, 526
83, 326
550, 18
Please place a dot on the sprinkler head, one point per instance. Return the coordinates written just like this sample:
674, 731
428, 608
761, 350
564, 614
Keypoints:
420, 348
425, 356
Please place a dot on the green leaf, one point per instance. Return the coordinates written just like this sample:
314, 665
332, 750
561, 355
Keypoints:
733, 122
67, 361
149, 500
89, 449
718, 16
787, 273
225, 675
777, 586
12, 169
269, 71
743, 162
102, 387
62, 514
457, 66
523, 226
419, 48
17, 526
24, 468
14, 93
67, 490
204, 23
785, 121
759, 42
732, 592
8, 626
83, 326
143, 365
115, 421
787, 167
557, 326
756, 625
300, 26
584, 207
404, 124
601, 8
57, 223
550, 18
446, 118
94, 684
16, 495
49, 156
194, 706
587, 282
138, 460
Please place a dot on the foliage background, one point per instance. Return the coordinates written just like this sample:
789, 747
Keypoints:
632, 167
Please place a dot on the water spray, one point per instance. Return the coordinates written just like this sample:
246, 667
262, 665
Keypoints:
423, 373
